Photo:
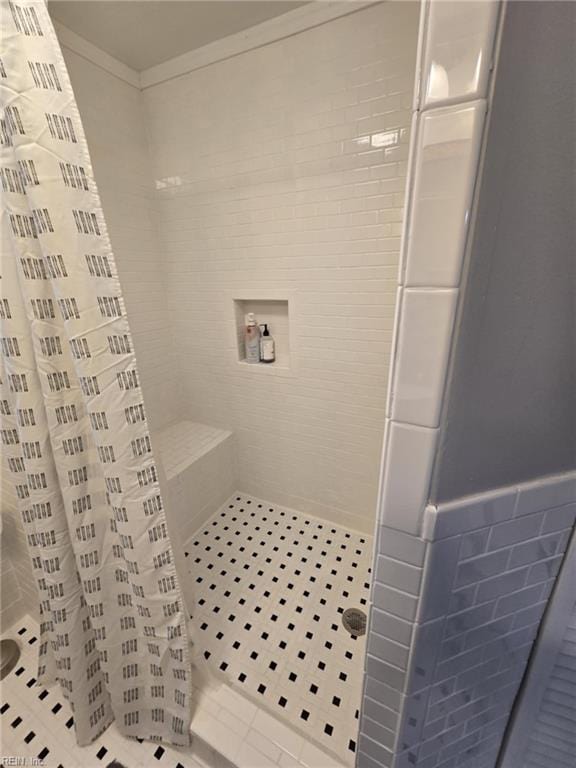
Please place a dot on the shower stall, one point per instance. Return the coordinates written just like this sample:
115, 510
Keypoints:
254, 158
279, 187
267, 178
275, 185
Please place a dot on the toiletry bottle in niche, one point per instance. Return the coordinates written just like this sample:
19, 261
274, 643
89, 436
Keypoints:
267, 346
252, 339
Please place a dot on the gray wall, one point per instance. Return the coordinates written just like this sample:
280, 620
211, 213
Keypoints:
511, 406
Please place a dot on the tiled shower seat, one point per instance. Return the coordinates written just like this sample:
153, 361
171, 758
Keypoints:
198, 472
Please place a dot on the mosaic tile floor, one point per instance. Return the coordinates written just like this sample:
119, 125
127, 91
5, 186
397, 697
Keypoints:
270, 587
229, 731
36, 724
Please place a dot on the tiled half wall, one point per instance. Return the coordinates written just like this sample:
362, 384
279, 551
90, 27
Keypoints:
455, 613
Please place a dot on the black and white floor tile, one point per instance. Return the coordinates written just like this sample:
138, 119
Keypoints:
270, 587
36, 724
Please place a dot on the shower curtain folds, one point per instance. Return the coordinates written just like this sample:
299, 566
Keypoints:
74, 431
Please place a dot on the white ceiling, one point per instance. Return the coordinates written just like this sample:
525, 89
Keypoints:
144, 33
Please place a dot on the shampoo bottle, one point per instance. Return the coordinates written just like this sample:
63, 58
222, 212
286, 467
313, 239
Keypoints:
267, 350
252, 339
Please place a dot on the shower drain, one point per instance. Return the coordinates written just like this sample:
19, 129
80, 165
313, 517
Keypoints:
354, 621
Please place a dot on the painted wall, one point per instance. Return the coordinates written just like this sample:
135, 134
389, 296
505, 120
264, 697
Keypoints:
280, 173
513, 385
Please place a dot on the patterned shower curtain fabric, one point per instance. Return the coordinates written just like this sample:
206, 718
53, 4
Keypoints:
74, 431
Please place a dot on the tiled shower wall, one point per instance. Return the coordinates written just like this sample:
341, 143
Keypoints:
460, 588
121, 163
18, 586
455, 614
311, 156
19, 594
281, 172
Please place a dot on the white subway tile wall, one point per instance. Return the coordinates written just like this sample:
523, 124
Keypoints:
448, 670
10, 595
121, 162
284, 168
19, 594
11, 598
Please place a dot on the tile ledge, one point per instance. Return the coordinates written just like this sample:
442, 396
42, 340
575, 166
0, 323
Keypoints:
433, 511
200, 729
548, 480
429, 522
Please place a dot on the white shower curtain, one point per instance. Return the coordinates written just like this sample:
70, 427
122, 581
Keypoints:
74, 432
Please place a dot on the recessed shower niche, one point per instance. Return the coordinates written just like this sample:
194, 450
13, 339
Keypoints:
277, 311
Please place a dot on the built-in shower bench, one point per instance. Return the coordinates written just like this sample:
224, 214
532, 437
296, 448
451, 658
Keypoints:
199, 472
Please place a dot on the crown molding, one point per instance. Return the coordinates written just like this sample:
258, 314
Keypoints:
97, 56
308, 16
305, 17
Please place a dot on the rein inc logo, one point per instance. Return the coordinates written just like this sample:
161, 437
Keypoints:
19, 760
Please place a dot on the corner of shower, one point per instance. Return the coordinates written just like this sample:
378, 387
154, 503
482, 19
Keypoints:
277, 602
250, 484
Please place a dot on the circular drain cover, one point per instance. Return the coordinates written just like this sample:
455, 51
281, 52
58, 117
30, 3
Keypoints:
354, 621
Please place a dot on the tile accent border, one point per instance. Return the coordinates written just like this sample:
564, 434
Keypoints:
452, 93
455, 613
460, 589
